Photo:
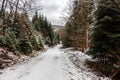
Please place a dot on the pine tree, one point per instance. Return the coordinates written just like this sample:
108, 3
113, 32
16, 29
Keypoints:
105, 37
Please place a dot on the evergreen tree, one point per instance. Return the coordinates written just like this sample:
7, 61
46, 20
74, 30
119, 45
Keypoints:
17, 33
35, 21
31, 33
47, 31
66, 40
35, 17
42, 25
105, 37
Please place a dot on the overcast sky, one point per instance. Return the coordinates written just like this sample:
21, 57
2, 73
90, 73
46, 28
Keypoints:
52, 9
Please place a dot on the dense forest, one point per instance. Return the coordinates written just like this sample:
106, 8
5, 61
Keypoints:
93, 27
18, 33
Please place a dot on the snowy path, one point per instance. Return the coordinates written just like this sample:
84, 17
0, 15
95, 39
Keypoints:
52, 65
48, 68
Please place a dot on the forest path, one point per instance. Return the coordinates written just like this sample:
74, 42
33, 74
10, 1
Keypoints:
49, 67
53, 64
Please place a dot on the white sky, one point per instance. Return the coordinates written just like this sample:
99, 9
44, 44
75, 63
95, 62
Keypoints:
52, 9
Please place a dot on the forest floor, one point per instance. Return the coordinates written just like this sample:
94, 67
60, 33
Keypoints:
53, 64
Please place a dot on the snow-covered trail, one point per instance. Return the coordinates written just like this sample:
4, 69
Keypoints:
49, 67
53, 64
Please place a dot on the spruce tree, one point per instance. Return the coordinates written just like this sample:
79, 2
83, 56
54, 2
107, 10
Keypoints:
42, 25
47, 31
35, 17
105, 35
17, 33
35, 21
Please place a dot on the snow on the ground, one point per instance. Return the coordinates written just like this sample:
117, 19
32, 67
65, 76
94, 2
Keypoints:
80, 70
53, 64
8, 59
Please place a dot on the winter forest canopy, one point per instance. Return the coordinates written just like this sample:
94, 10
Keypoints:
90, 26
